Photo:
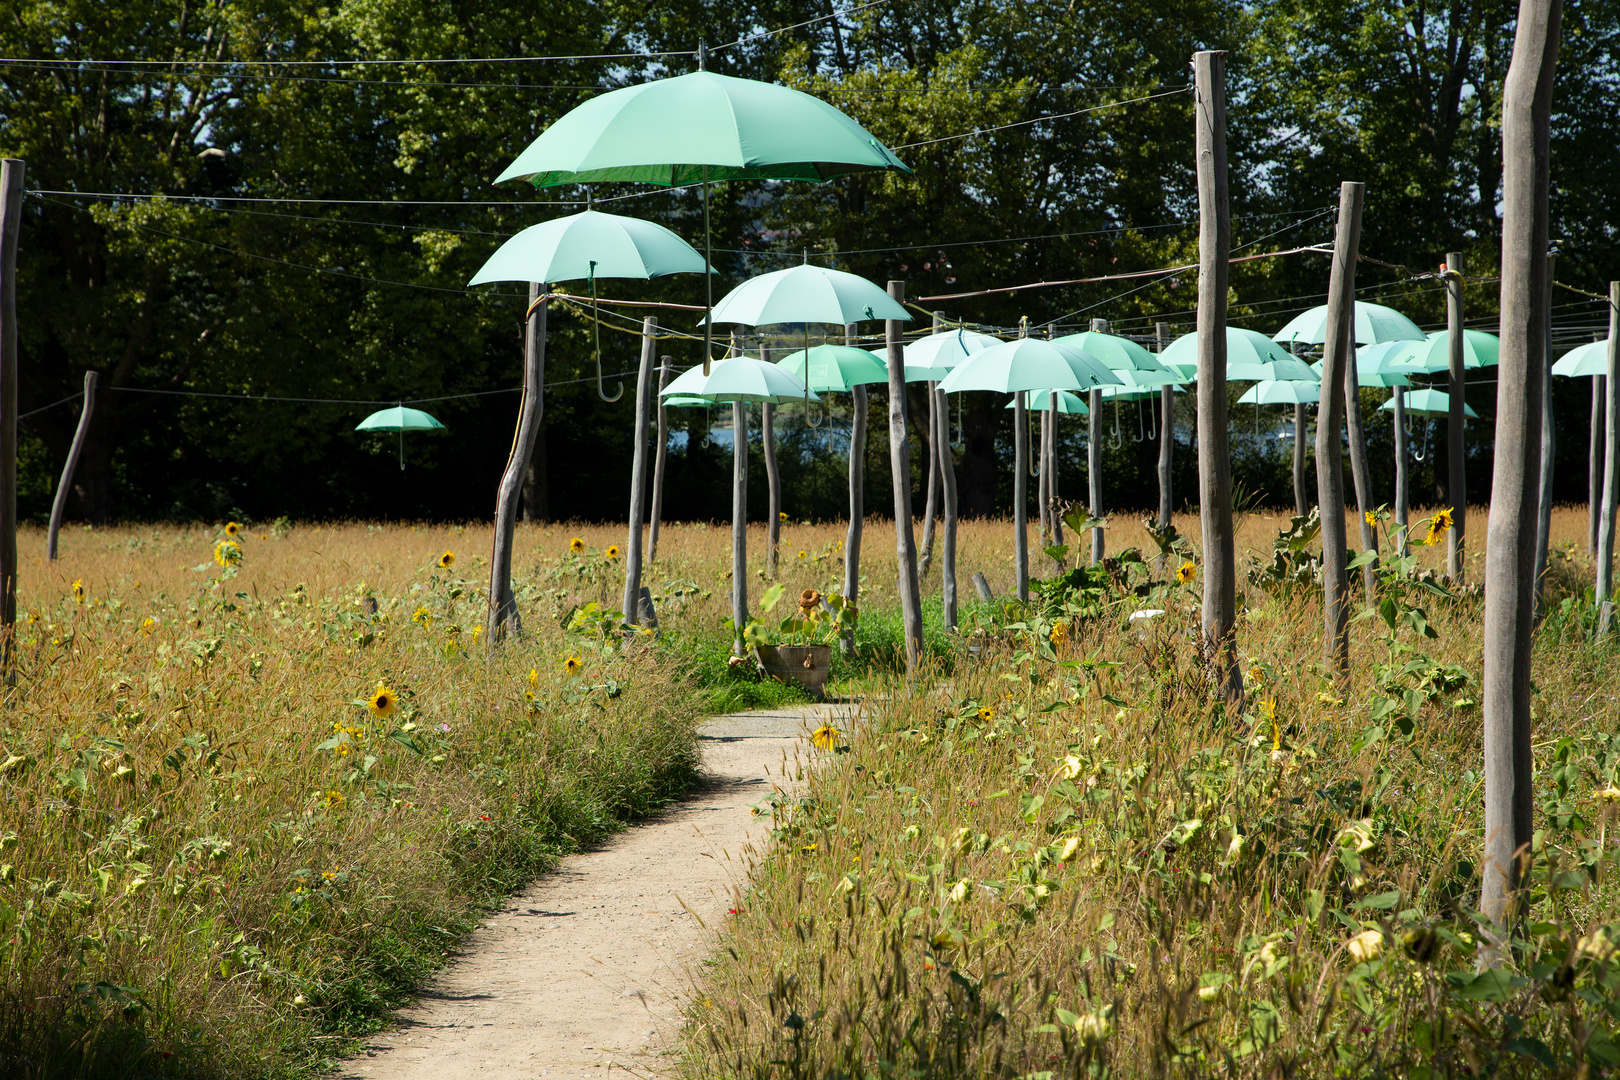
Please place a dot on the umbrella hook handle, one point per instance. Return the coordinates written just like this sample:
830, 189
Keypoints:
1141, 424
1036, 457
1153, 420
596, 337
1118, 439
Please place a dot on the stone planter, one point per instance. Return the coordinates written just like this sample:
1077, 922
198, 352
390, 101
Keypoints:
806, 665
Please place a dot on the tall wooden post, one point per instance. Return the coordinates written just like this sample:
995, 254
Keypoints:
11, 198
1594, 464
1338, 350
773, 473
947, 475
1302, 501
739, 522
1357, 436
658, 462
1403, 478
932, 482
1510, 556
1611, 458
1544, 487
1456, 473
502, 603
64, 485
1167, 437
1021, 493
1053, 496
1043, 474
638, 473
1094, 449
857, 495
1214, 461
905, 545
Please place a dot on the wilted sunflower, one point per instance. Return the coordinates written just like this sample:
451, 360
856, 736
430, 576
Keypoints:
232, 528
422, 615
809, 600
576, 546
227, 553
1187, 572
1060, 633
447, 560
573, 666
383, 701
612, 552
825, 737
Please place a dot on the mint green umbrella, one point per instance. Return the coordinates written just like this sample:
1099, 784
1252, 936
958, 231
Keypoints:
1375, 364
1028, 364
1063, 401
1250, 357
1434, 354
399, 419
739, 378
835, 368
1371, 324
590, 245
807, 294
1428, 403
928, 359
1589, 359
1284, 392
1119, 353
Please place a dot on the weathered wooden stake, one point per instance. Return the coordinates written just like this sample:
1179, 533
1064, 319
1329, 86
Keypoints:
900, 467
1403, 477
11, 198
1544, 487
947, 472
1167, 438
1611, 455
1338, 351
638, 472
773, 473
1510, 556
739, 522
1094, 441
1457, 475
857, 495
1594, 465
1359, 472
931, 501
1214, 465
1043, 473
1021, 494
502, 603
64, 485
658, 462
1302, 502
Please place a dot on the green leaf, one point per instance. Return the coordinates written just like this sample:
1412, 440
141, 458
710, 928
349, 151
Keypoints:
1384, 901
1534, 1049
1495, 985
772, 597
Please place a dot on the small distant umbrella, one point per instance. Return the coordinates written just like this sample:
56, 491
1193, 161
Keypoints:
1371, 324
1428, 403
1375, 365
1589, 359
1066, 402
1282, 393
399, 419
1434, 354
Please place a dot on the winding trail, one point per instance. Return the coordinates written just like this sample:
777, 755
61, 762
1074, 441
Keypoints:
587, 970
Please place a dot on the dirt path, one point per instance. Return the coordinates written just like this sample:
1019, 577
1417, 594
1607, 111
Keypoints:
588, 969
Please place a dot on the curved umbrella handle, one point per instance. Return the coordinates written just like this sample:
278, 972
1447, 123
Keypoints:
1119, 438
1141, 425
596, 337
1153, 417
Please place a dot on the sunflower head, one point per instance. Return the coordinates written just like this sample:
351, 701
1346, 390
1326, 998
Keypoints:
573, 666
576, 546
782, 517
809, 600
383, 701
534, 677
1060, 633
1187, 572
447, 560
1371, 519
227, 553
612, 552
421, 615
986, 714
232, 529
78, 590
825, 737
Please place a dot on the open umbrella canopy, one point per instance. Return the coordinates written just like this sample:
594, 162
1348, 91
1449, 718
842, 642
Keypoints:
1028, 364
1064, 401
1250, 357
739, 378
1374, 365
807, 294
1434, 354
1119, 353
399, 418
699, 127
1589, 359
690, 401
1371, 323
591, 244
1282, 393
835, 368
929, 358
1428, 403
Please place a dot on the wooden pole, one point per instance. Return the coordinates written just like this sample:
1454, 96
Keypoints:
638, 472
1094, 450
947, 471
658, 462
1338, 352
1219, 615
64, 485
1403, 479
773, 474
739, 522
1510, 556
11, 199
1302, 502
1054, 496
1043, 474
1167, 437
1359, 474
1594, 464
931, 501
905, 545
1611, 459
1544, 487
857, 495
502, 603
1021, 493
1457, 475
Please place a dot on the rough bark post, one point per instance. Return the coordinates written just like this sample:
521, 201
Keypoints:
1021, 494
931, 501
1338, 352
739, 522
773, 473
64, 485
1358, 452
11, 199
1611, 451
1510, 556
502, 604
1053, 495
905, 544
857, 496
1457, 476
1302, 503
638, 473
1167, 430
1403, 478
1043, 475
1544, 489
1099, 545
1594, 465
947, 476
1214, 463
658, 462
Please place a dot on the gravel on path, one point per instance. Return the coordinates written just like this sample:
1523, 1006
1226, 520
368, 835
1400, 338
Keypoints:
588, 969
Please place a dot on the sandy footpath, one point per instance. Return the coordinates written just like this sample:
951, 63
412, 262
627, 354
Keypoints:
587, 970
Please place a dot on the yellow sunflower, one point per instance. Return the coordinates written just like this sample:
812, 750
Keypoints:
447, 560
573, 666
232, 528
78, 590
986, 714
1371, 518
612, 552
782, 517
227, 553
422, 615
383, 701
1439, 525
1187, 572
576, 546
1060, 633
825, 737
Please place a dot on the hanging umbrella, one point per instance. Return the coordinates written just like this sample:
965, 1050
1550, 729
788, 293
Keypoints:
1065, 402
928, 359
835, 368
1250, 357
1029, 364
591, 244
399, 419
1371, 323
1589, 359
807, 294
1428, 403
1119, 353
689, 401
1434, 353
1283, 392
1374, 365
739, 379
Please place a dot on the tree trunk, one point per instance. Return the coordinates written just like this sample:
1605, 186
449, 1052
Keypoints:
502, 603
947, 471
1338, 351
900, 466
1402, 474
1457, 483
1219, 615
638, 472
1302, 503
11, 199
1594, 464
739, 522
658, 462
1510, 556
1611, 456
64, 485
1544, 488
857, 496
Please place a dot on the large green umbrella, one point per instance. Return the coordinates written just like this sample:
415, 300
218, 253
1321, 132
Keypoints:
835, 368
928, 359
1428, 403
1434, 354
1374, 365
807, 294
1371, 324
1250, 357
399, 419
739, 379
590, 245
1119, 353
1029, 364
1283, 392
1589, 359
